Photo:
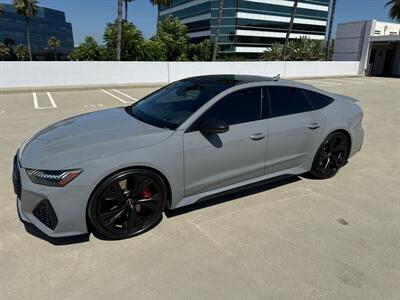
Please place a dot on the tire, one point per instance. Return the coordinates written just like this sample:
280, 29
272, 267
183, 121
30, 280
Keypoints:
331, 156
127, 204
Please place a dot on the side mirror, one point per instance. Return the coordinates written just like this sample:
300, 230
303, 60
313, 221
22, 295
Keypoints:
213, 126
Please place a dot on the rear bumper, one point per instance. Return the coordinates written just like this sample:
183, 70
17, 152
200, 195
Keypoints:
357, 139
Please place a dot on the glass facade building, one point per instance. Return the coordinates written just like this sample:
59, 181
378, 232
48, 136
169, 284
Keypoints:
47, 23
249, 27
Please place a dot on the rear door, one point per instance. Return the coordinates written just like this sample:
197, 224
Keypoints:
218, 160
295, 129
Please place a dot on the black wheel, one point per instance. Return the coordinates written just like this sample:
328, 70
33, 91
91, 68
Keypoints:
331, 156
127, 204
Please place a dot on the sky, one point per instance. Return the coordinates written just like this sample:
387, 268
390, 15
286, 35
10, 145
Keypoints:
89, 17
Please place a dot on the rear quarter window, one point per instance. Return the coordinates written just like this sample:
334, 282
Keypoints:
318, 100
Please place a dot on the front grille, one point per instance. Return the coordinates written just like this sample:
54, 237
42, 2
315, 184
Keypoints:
16, 178
46, 214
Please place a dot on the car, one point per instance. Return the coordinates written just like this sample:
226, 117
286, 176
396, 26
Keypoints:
115, 171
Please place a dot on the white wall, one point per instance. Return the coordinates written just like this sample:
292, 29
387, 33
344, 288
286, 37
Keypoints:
50, 74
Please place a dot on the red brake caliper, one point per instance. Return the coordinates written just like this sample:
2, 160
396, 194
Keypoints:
146, 193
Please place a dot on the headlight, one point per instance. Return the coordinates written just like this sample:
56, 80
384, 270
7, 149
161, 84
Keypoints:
53, 178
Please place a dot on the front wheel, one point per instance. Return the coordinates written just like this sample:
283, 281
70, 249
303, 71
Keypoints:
127, 204
331, 156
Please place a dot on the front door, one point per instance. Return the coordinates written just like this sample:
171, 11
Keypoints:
219, 160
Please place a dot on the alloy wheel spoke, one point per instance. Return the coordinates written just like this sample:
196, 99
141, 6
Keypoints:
117, 191
339, 148
109, 218
151, 203
326, 165
134, 220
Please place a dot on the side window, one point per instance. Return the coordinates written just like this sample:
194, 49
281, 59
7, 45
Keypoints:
318, 100
287, 101
239, 107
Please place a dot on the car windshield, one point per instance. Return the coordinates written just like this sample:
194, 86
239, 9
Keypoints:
170, 106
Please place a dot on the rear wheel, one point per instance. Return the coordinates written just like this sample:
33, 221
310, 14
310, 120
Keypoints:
128, 203
331, 156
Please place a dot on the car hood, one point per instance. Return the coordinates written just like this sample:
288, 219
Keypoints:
89, 136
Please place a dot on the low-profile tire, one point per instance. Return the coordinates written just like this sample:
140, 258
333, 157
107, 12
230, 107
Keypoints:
127, 204
331, 156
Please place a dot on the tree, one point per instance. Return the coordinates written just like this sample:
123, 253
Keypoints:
332, 19
54, 44
1, 10
21, 52
4, 51
172, 34
153, 50
119, 32
202, 51
394, 11
87, 51
296, 2
126, 8
218, 30
300, 49
274, 53
132, 41
27, 8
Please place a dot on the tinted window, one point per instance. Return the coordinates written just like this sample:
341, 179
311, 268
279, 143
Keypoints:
318, 100
169, 107
287, 101
239, 107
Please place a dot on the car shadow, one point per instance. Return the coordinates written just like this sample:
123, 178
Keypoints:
204, 203
61, 241
234, 194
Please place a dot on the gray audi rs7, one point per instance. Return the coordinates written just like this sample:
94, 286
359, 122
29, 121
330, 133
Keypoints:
115, 171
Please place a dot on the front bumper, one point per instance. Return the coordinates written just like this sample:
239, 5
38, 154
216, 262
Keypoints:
56, 211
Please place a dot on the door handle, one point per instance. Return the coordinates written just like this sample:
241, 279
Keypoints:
257, 136
314, 125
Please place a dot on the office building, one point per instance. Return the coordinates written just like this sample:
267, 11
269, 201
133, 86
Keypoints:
48, 22
249, 27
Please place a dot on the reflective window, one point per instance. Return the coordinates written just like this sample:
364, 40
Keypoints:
239, 107
318, 100
287, 101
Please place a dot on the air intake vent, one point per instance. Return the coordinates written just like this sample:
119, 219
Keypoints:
46, 214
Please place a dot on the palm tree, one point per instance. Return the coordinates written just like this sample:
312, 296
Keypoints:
218, 30
54, 44
119, 31
394, 12
21, 52
119, 21
296, 2
4, 51
126, 9
27, 8
332, 19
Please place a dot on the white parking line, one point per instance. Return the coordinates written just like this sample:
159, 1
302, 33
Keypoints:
36, 102
119, 99
123, 94
51, 100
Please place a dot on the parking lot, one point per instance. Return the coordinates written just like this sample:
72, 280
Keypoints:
299, 239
